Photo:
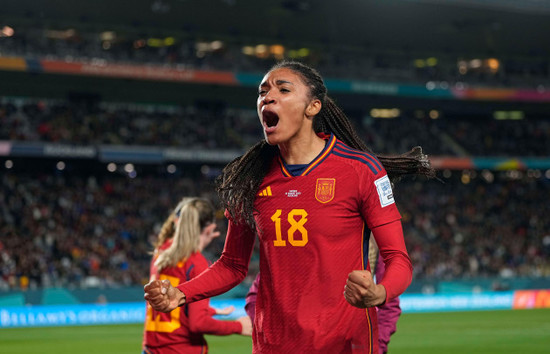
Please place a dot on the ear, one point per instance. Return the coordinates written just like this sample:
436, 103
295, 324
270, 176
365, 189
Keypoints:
313, 108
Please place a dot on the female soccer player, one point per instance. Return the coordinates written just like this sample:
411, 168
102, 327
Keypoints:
312, 192
177, 258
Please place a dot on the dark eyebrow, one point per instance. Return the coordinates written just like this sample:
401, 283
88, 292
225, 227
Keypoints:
278, 82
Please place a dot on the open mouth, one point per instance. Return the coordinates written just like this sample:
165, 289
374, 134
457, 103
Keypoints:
270, 119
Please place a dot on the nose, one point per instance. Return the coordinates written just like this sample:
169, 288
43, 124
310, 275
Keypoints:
268, 98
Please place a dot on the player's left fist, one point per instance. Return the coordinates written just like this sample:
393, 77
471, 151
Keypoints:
361, 291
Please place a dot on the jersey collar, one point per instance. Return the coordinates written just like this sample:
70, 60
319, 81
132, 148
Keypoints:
313, 164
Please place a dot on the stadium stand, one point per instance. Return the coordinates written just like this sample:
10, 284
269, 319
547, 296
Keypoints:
82, 227
68, 221
43, 120
337, 61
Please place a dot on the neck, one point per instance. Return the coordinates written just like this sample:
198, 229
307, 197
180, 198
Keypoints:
303, 150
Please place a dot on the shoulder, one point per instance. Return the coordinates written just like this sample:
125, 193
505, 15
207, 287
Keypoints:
194, 265
359, 160
199, 262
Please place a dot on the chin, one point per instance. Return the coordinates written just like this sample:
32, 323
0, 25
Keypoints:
270, 140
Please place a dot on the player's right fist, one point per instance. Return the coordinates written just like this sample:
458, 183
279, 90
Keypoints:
361, 291
162, 296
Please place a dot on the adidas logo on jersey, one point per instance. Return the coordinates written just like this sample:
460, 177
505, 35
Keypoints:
266, 192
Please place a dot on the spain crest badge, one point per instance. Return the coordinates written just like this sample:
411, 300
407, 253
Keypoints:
324, 190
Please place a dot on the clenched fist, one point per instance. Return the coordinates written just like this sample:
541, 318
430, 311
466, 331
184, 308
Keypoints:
162, 296
361, 291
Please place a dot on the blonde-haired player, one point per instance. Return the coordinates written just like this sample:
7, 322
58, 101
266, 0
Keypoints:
177, 258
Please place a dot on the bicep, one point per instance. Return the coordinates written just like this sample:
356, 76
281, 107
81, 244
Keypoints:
377, 205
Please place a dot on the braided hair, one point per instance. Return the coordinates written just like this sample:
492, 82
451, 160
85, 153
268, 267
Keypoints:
240, 180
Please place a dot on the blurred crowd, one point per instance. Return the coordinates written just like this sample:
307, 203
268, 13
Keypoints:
185, 52
456, 136
488, 225
96, 230
76, 228
78, 231
80, 123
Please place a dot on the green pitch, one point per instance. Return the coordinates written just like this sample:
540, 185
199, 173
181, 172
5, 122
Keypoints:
520, 331
487, 332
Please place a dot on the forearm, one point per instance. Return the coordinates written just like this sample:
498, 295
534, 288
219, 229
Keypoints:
398, 267
222, 276
217, 327
228, 271
200, 321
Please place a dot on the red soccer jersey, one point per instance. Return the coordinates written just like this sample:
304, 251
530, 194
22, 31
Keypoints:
181, 331
313, 231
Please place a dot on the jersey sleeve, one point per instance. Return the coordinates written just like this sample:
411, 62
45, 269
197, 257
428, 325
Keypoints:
200, 313
376, 196
228, 271
383, 219
211, 311
398, 273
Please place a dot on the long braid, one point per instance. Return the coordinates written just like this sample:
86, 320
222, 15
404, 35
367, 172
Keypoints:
240, 180
335, 121
413, 162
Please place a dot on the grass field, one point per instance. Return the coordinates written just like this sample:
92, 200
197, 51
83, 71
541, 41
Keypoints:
520, 331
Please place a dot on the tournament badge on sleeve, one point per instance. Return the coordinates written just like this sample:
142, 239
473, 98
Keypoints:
324, 190
383, 187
